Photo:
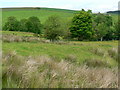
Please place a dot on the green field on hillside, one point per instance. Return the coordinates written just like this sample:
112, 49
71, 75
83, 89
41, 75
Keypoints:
42, 13
81, 52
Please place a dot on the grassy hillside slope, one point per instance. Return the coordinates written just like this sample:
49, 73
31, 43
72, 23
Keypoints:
73, 50
42, 13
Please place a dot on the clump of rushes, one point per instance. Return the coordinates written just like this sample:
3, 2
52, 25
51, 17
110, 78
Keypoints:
96, 63
113, 53
98, 51
44, 72
72, 58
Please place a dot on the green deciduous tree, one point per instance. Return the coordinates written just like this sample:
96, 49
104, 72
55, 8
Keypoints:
101, 30
81, 27
103, 26
34, 25
53, 28
117, 30
12, 24
66, 24
23, 26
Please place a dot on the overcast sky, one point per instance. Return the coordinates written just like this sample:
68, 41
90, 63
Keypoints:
94, 5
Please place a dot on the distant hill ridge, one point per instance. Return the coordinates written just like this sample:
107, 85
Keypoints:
37, 8
114, 12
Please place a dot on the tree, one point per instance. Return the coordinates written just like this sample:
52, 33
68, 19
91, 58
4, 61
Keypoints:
81, 27
53, 28
65, 28
101, 30
109, 21
117, 30
12, 24
99, 18
110, 34
103, 18
34, 25
103, 26
23, 26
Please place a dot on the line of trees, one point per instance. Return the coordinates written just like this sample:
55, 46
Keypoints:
84, 26
32, 24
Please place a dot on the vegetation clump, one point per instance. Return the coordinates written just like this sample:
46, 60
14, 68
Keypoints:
53, 28
31, 72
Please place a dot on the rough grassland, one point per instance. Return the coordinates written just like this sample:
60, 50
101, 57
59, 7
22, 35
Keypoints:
16, 33
81, 51
71, 64
77, 50
44, 72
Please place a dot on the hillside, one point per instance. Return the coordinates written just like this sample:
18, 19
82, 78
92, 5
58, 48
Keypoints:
114, 12
30, 60
41, 13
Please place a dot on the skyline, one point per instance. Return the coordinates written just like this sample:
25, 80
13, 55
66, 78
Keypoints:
94, 5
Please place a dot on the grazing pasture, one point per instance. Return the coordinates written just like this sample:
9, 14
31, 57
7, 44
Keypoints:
81, 51
42, 13
32, 61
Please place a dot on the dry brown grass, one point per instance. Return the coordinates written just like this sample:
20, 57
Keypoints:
95, 62
98, 51
71, 58
15, 38
113, 53
44, 72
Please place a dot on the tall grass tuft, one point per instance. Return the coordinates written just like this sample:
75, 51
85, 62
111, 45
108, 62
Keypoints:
113, 53
71, 58
96, 63
44, 72
98, 51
